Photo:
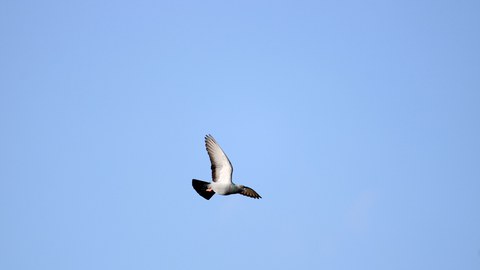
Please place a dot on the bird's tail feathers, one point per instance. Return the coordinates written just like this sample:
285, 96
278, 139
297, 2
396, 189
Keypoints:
201, 188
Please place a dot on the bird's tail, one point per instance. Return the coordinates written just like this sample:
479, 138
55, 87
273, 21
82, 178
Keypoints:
201, 188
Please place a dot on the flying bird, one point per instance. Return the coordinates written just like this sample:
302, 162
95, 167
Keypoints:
222, 171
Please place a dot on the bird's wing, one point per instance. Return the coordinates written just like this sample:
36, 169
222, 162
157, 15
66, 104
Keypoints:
250, 193
221, 167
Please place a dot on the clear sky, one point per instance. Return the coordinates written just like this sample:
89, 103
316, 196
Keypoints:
357, 121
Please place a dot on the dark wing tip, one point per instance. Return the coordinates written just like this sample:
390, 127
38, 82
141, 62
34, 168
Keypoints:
210, 138
249, 192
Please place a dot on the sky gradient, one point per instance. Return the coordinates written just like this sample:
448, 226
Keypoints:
356, 121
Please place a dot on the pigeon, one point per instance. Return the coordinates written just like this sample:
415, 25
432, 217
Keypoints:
222, 171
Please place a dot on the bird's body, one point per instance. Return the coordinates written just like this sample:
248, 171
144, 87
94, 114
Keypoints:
222, 171
225, 188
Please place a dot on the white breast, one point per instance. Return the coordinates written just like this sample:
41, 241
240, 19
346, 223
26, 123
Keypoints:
221, 188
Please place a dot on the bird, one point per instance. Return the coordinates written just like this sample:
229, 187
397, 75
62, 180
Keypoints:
222, 171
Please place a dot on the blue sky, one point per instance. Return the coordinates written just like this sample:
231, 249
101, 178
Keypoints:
357, 121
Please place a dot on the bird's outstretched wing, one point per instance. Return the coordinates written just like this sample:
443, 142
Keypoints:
250, 193
221, 166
